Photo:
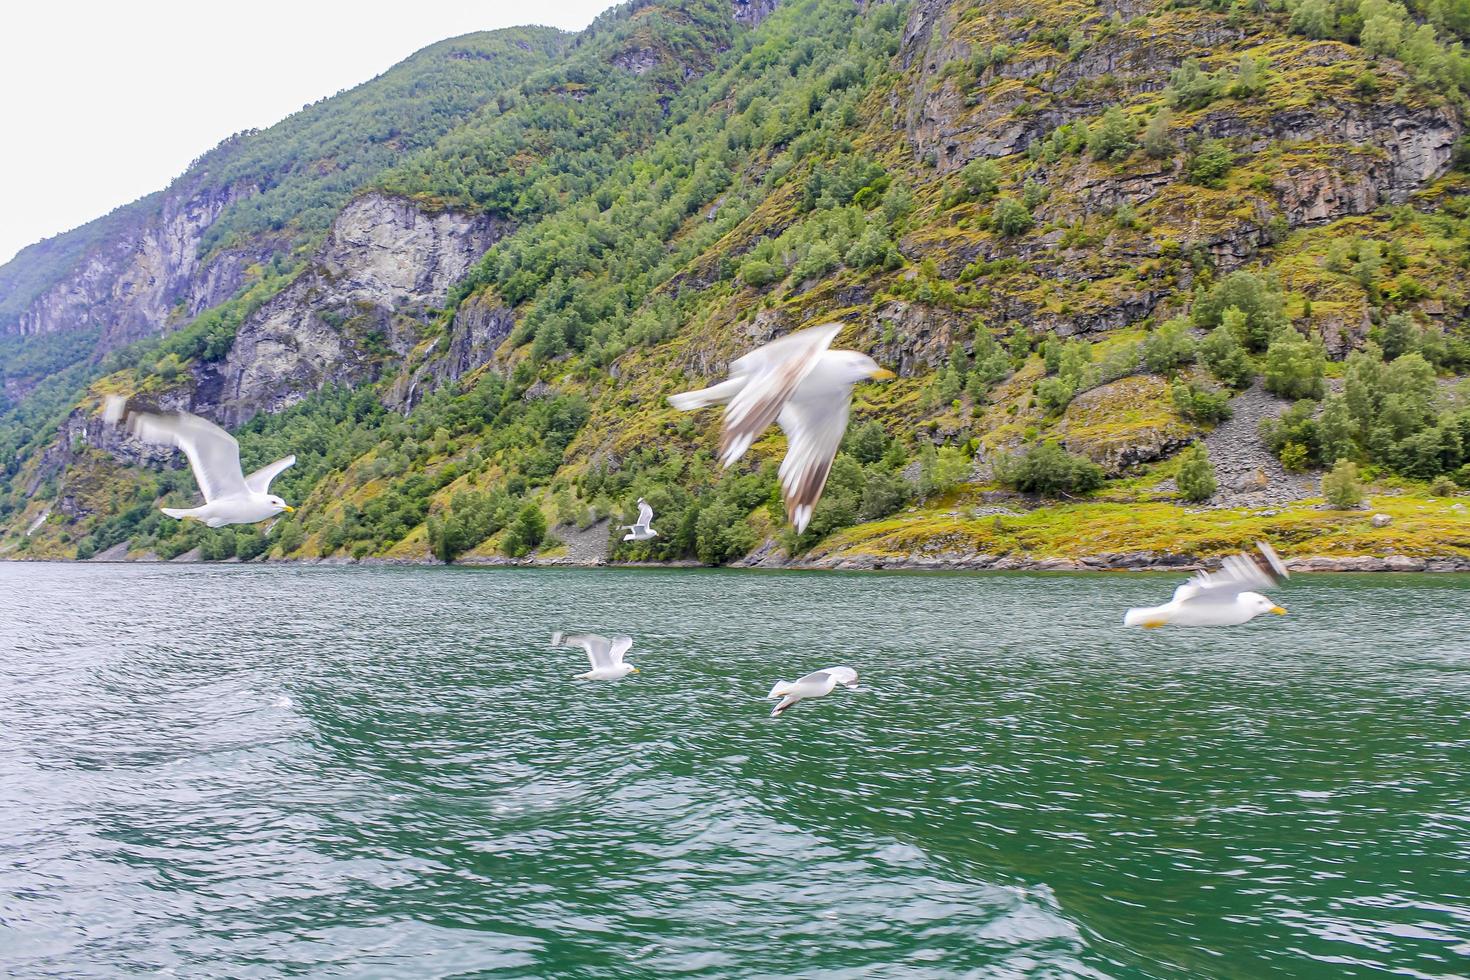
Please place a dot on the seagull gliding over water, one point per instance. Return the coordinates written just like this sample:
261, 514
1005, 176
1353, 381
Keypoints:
1222, 598
817, 684
605, 654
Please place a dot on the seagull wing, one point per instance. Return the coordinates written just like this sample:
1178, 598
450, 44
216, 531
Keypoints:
1238, 573
774, 371
814, 420
845, 676
597, 647
260, 480
213, 453
645, 515
619, 649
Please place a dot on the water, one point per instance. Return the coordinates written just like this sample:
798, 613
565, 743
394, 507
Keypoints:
269, 771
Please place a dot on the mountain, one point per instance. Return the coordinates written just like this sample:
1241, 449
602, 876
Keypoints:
1153, 277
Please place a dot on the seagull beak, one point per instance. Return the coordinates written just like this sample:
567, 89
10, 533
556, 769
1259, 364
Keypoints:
289, 509
882, 374
1278, 610
637, 671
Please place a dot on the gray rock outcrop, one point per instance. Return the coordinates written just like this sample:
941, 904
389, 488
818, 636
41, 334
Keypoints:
371, 289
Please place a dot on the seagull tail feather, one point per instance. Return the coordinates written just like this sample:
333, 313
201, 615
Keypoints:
688, 401
781, 689
176, 512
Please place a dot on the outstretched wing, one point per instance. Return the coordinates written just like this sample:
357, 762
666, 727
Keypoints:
1238, 573
845, 676
645, 514
597, 647
213, 453
814, 420
260, 480
774, 370
619, 649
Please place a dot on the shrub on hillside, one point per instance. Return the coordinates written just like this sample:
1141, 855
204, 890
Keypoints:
1196, 477
1010, 217
1259, 303
1295, 367
1223, 354
1341, 487
1168, 346
1046, 468
1199, 404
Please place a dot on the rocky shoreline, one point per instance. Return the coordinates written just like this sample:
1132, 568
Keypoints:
1136, 561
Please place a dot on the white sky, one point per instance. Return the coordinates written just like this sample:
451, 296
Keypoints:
103, 101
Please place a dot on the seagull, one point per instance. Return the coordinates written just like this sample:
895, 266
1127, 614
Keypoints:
1222, 598
606, 654
640, 531
230, 497
819, 683
804, 388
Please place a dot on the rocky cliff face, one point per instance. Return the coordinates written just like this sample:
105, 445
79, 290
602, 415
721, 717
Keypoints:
142, 282
479, 327
752, 12
364, 302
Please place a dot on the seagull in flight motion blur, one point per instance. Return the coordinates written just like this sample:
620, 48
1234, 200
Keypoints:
605, 654
642, 529
1223, 598
804, 388
230, 497
817, 684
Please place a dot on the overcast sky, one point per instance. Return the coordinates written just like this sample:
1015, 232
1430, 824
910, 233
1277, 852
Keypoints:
103, 101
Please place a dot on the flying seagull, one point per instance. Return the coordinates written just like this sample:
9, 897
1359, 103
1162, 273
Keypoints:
804, 388
605, 654
642, 530
817, 684
230, 497
1223, 598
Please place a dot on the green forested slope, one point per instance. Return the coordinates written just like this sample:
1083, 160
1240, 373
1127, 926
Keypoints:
1076, 230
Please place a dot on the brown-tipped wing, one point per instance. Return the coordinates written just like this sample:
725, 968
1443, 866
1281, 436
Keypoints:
213, 453
814, 419
775, 371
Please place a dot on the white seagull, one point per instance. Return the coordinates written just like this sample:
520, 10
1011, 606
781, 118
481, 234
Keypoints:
804, 388
605, 654
1223, 598
230, 497
817, 684
642, 530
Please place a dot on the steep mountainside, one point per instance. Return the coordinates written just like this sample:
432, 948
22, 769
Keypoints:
160, 261
1146, 270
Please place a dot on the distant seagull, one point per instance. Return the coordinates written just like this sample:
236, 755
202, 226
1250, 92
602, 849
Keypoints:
606, 654
230, 497
804, 388
1222, 598
817, 684
642, 530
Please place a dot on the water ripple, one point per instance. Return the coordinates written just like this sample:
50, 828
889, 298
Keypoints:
271, 771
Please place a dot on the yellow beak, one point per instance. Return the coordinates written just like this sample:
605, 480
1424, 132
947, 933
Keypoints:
290, 509
1278, 610
882, 374
637, 671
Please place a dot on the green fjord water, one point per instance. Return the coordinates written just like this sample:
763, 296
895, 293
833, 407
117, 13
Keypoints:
267, 771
